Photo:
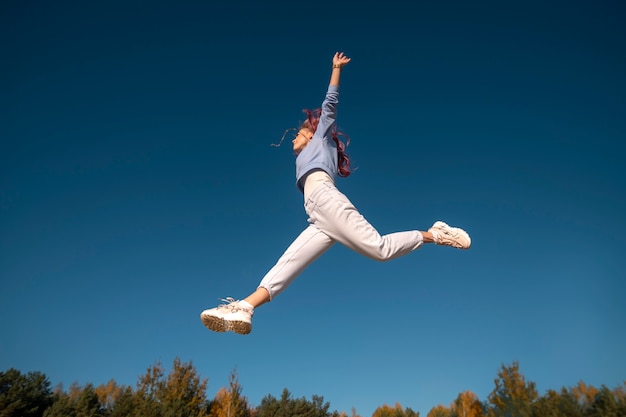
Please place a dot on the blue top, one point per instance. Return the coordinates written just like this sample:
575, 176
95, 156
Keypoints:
321, 152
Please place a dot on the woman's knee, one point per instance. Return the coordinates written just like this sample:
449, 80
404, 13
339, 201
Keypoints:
379, 254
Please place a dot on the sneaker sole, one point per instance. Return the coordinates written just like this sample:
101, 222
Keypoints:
240, 327
214, 323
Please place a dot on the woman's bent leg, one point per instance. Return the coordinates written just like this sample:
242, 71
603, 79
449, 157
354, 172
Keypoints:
307, 247
332, 212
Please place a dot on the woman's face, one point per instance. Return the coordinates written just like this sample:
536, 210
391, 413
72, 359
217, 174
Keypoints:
303, 137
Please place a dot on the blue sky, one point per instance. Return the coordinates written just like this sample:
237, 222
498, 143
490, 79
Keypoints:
137, 186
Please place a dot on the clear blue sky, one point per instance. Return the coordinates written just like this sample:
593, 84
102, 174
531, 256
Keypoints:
137, 186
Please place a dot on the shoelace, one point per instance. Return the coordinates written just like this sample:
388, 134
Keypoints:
450, 232
443, 234
451, 236
231, 304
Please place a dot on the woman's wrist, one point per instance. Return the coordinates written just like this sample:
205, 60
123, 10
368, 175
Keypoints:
337, 66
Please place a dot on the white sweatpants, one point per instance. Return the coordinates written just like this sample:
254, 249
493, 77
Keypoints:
333, 218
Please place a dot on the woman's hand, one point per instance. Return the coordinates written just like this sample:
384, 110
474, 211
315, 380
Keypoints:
339, 60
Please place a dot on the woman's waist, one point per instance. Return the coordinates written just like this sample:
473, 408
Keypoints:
313, 180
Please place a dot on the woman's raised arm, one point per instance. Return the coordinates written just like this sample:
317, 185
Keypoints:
339, 60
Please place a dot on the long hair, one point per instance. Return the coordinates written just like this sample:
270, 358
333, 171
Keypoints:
341, 140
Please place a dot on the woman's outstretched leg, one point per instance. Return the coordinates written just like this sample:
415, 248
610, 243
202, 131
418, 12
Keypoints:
331, 211
237, 315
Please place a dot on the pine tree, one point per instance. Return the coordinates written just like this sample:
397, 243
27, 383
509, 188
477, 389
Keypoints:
24, 395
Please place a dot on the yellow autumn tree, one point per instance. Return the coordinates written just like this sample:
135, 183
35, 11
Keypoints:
467, 405
221, 403
397, 411
584, 394
440, 411
229, 402
109, 393
512, 394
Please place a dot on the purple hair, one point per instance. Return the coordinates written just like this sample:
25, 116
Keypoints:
343, 160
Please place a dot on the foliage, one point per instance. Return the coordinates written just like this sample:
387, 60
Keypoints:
230, 402
124, 405
109, 393
466, 404
24, 395
584, 394
440, 411
397, 411
182, 393
512, 395
555, 404
78, 403
294, 407
606, 404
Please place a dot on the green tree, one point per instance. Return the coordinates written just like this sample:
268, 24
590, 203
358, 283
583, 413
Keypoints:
605, 404
181, 394
125, 404
290, 407
512, 395
79, 402
87, 404
555, 404
62, 406
24, 395
620, 397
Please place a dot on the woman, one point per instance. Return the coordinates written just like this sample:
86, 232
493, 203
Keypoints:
320, 156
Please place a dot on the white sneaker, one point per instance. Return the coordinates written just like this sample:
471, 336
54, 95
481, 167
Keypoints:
450, 236
229, 316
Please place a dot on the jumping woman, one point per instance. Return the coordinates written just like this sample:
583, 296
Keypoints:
320, 157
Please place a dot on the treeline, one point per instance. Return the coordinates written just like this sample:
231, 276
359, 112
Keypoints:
182, 393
